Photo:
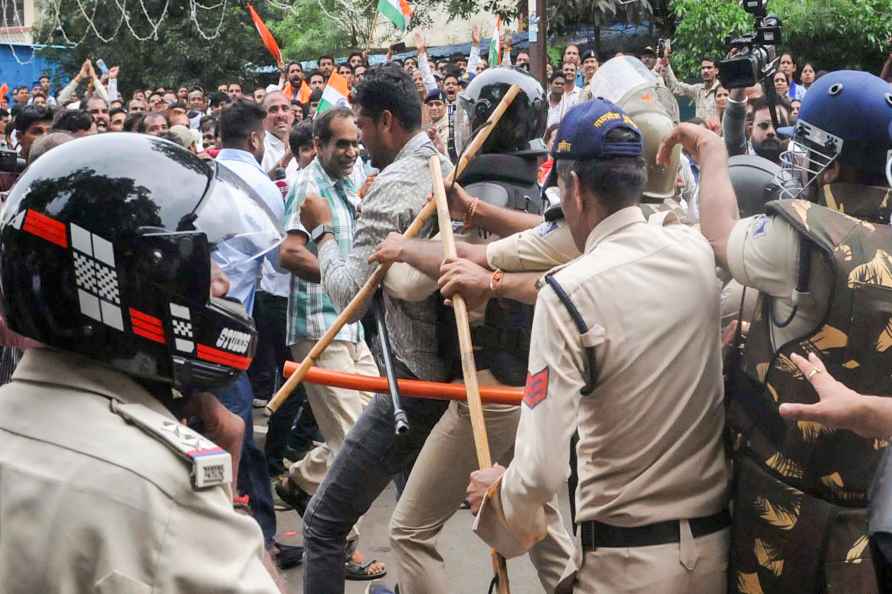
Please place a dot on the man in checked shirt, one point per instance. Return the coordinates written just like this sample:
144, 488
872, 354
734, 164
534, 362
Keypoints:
388, 115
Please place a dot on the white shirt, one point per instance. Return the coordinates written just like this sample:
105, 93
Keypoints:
273, 151
243, 286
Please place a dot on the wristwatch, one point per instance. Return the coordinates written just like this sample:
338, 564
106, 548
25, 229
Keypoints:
321, 230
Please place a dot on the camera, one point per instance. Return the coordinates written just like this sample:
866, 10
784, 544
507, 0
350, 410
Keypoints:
755, 54
11, 165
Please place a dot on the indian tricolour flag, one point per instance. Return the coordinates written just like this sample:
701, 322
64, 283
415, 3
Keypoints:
397, 12
495, 45
335, 93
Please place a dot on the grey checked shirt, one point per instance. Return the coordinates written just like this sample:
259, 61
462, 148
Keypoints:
398, 193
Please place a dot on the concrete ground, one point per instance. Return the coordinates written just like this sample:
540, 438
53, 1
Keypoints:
467, 558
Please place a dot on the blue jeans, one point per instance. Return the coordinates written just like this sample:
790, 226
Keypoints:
253, 476
371, 457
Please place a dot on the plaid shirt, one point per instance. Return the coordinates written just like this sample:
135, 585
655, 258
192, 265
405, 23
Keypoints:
310, 310
399, 191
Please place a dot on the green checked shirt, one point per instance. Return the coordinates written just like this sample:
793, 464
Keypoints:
310, 310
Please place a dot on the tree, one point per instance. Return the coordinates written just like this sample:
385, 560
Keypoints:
304, 32
173, 54
312, 27
701, 30
836, 34
849, 33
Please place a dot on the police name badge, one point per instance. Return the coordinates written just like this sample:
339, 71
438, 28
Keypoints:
211, 464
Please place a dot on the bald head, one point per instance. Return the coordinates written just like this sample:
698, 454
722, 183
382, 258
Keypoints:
48, 142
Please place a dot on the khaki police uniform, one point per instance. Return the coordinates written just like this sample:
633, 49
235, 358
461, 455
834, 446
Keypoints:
650, 447
439, 478
97, 495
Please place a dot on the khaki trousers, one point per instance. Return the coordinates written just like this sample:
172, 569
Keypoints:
436, 488
335, 409
693, 566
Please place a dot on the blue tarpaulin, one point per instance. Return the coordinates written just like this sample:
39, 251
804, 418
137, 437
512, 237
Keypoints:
27, 69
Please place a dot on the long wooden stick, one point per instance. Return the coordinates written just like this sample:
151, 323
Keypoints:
466, 350
377, 276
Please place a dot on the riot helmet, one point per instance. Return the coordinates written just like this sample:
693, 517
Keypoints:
521, 127
106, 244
845, 117
628, 83
755, 182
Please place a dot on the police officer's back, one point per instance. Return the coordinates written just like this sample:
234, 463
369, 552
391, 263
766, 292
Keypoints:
641, 380
106, 259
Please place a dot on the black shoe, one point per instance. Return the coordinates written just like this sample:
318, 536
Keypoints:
293, 495
289, 556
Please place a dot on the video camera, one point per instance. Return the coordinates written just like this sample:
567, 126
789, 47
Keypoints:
755, 56
11, 165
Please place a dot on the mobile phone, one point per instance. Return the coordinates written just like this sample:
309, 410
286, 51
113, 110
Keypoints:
102, 67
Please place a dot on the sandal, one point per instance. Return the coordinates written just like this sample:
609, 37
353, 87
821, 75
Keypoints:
357, 569
293, 495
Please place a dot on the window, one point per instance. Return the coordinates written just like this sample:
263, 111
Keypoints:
13, 13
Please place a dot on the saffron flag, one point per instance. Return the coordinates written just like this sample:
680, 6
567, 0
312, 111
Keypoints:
335, 94
495, 45
397, 12
268, 40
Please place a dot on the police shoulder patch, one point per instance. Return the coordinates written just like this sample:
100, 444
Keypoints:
545, 228
760, 226
536, 388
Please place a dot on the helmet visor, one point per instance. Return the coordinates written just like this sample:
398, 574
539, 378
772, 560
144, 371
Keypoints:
240, 228
462, 124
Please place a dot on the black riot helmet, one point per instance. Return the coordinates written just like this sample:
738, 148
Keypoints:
755, 181
523, 125
106, 244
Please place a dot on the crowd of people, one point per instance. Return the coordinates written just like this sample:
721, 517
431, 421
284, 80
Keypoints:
676, 331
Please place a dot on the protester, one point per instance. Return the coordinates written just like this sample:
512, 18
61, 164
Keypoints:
277, 125
241, 133
328, 176
31, 122
703, 93
388, 115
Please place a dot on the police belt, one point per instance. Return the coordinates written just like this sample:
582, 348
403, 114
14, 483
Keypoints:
596, 535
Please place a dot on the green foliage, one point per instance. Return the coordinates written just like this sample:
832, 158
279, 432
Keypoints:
566, 15
703, 26
836, 34
833, 34
179, 55
304, 33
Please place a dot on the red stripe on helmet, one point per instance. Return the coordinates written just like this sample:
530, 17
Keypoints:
46, 228
146, 326
222, 357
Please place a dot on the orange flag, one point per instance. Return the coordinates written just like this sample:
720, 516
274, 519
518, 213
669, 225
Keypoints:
4, 89
268, 40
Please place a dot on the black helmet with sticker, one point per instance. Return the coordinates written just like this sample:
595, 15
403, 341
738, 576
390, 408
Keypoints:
523, 125
106, 244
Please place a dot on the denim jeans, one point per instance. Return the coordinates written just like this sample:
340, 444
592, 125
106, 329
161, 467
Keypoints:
253, 477
371, 457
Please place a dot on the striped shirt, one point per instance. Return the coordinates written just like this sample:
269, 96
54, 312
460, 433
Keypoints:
310, 309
